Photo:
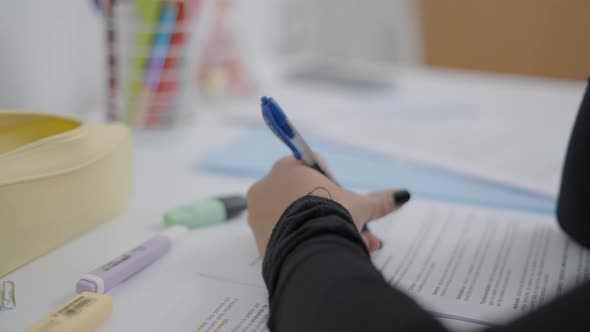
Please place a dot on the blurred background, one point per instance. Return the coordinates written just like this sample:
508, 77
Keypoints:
53, 51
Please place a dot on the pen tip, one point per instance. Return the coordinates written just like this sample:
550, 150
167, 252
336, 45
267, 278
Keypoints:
264, 99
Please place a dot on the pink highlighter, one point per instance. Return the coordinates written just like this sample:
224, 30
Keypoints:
199, 214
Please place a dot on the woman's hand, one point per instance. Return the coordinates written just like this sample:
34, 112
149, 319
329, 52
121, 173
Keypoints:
290, 179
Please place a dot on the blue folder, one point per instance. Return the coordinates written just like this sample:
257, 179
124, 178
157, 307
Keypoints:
254, 154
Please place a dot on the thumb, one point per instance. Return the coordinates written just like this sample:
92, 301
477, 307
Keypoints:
382, 203
371, 241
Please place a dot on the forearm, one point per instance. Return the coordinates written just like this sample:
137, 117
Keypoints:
320, 277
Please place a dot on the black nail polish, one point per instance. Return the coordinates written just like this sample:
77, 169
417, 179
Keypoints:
380, 245
401, 197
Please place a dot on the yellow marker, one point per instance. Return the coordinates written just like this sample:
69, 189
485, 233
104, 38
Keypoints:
83, 313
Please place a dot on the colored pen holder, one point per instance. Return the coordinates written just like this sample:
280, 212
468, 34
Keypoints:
148, 67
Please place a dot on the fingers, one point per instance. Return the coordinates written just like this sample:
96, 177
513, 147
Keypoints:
401, 197
380, 204
324, 165
366, 208
371, 241
288, 161
377, 205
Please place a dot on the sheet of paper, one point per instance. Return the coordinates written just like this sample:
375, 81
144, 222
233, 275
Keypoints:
513, 131
522, 147
181, 293
207, 305
479, 265
468, 266
465, 265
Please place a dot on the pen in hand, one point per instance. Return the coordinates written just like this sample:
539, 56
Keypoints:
280, 125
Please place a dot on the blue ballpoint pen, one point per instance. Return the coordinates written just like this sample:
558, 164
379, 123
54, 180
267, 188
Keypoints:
280, 125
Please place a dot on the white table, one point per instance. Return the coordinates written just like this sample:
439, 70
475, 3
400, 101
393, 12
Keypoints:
166, 175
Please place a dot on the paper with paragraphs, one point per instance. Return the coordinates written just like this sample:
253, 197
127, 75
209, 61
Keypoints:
476, 265
470, 267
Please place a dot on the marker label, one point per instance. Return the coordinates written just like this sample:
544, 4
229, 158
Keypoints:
75, 307
84, 313
115, 262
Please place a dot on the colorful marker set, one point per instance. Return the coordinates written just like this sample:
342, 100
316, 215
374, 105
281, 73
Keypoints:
145, 72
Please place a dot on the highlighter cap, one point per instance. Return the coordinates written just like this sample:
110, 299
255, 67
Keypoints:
86, 286
206, 212
233, 205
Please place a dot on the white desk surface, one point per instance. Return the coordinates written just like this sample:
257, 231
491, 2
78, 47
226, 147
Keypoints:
166, 176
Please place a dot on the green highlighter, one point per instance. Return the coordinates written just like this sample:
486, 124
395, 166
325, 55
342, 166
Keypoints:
206, 212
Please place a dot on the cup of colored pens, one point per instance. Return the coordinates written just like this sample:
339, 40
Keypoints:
148, 69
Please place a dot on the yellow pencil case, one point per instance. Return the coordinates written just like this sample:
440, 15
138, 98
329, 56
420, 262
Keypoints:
59, 177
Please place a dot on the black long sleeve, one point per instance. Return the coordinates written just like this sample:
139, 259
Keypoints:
320, 278
573, 212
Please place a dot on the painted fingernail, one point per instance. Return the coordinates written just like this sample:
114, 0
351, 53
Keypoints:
380, 245
401, 197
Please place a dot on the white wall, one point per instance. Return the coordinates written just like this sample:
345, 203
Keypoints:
53, 51
52, 56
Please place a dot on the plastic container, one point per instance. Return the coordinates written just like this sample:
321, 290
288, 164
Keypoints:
148, 68
60, 178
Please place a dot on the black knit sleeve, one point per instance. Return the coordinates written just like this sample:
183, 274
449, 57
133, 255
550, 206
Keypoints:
320, 276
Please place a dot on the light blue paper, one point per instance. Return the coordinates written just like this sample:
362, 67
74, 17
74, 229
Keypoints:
254, 154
